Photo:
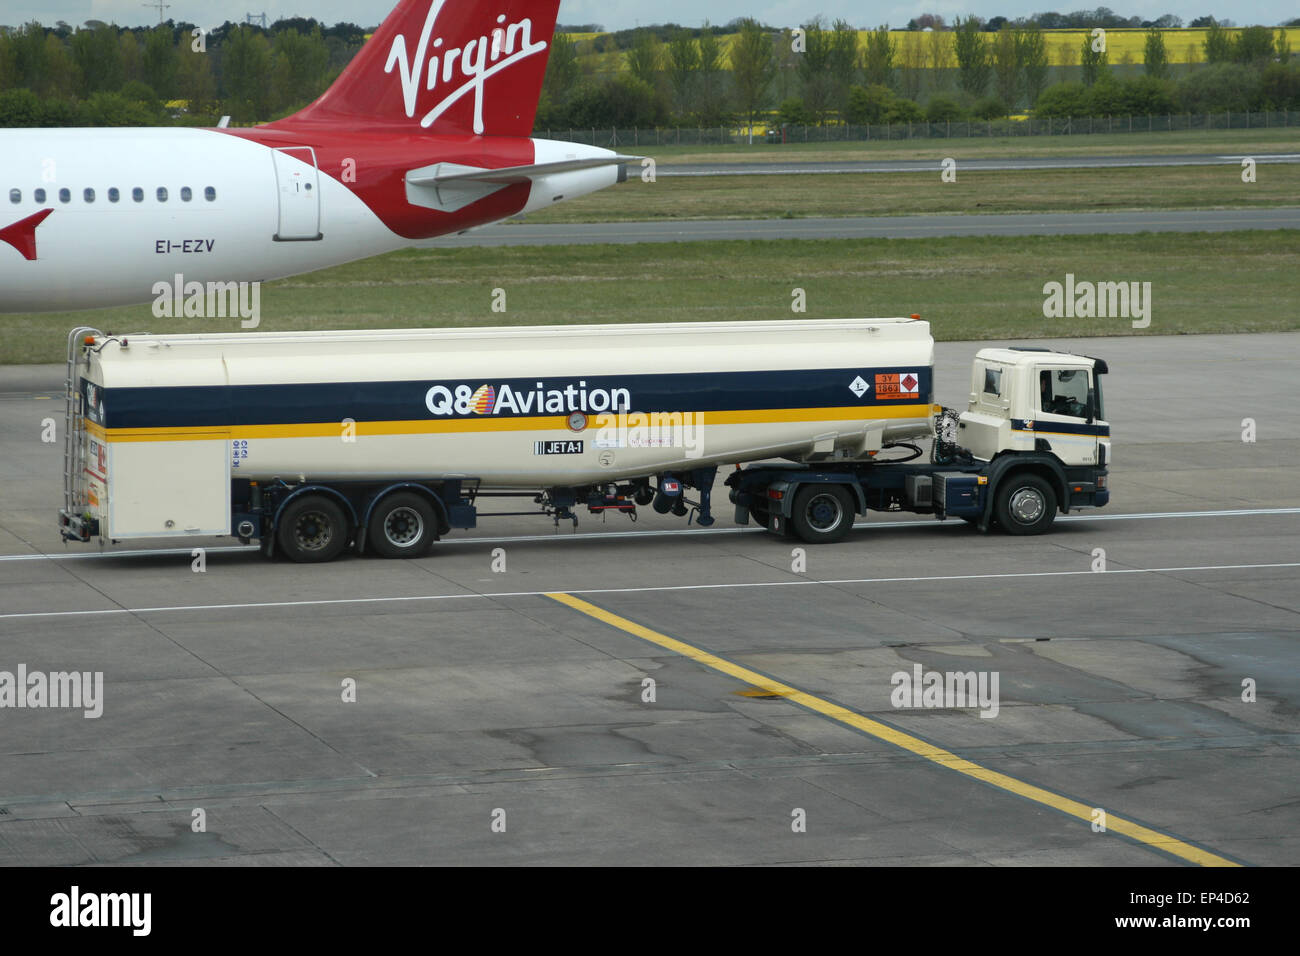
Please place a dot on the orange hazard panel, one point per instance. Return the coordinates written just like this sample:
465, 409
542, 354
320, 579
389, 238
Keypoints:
898, 385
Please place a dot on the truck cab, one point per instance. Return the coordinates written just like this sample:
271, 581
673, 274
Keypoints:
1036, 400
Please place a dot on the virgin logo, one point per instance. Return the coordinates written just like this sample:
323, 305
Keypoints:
468, 67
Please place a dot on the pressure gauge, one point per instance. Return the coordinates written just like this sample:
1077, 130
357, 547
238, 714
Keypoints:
577, 421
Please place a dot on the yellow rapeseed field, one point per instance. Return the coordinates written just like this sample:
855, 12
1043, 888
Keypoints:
1184, 45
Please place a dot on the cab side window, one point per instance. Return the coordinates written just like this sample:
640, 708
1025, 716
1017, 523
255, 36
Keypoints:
1064, 391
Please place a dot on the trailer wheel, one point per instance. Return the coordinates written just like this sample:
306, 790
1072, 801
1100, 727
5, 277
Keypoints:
822, 513
313, 529
402, 526
1026, 504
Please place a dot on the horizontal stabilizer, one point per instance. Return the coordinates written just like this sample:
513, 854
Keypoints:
451, 186
448, 173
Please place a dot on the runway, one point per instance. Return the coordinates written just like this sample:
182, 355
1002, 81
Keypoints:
871, 227
654, 694
953, 148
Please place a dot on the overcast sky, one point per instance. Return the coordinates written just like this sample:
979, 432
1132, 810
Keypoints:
620, 14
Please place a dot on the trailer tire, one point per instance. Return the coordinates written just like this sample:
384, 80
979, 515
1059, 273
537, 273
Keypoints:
313, 529
1026, 504
402, 525
822, 514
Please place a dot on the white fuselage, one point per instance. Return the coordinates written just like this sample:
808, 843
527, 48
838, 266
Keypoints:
253, 212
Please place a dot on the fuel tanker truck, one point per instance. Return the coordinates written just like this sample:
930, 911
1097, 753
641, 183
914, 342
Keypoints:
313, 442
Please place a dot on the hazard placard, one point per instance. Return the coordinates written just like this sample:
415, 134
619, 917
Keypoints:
898, 385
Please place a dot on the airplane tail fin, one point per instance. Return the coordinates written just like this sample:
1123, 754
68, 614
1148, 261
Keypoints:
446, 66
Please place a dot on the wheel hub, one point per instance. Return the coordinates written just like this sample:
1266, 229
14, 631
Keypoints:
1027, 505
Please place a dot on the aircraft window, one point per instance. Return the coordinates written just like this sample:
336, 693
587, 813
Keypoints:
39, 195
88, 195
113, 194
137, 194
209, 193
162, 193
186, 194
15, 195
65, 194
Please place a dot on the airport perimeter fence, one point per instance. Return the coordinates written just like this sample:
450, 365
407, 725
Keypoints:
958, 129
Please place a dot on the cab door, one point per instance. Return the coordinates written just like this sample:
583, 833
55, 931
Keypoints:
1066, 420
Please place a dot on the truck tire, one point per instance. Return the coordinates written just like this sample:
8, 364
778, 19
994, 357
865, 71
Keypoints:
312, 529
401, 526
822, 514
1026, 504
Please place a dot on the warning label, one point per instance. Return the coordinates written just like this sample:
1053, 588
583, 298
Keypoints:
898, 385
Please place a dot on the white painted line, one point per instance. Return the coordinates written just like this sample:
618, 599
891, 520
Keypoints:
803, 582
598, 535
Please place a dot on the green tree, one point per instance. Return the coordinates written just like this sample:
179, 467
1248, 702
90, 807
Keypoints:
301, 60
195, 82
1032, 47
60, 71
842, 62
878, 57
1093, 61
158, 62
246, 73
1062, 100
815, 68
19, 107
97, 56
129, 45
972, 51
1006, 66
1154, 56
870, 105
943, 109
27, 47
560, 81
1253, 46
1217, 43
752, 68
643, 59
683, 65
8, 64
712, 109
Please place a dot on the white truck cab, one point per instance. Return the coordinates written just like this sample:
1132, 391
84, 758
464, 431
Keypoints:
1036, 400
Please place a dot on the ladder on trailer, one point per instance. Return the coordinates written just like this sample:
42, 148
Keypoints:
74, 430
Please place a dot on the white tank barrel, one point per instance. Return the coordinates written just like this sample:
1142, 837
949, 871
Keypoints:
521, 407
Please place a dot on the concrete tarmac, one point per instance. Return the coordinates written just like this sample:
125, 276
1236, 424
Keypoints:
482, 703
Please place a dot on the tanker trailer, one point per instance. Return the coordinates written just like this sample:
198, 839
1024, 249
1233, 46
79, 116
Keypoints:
309, 442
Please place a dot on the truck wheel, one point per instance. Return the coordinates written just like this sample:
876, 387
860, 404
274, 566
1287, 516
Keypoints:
402, 526
822, 513
1026, 504
312, 529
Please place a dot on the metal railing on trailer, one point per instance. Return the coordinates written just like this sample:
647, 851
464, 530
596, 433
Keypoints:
74, 434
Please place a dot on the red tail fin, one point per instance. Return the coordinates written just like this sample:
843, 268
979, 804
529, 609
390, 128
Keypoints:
448, 66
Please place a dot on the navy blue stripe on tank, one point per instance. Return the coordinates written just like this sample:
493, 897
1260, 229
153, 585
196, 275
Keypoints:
1068, 428
233, 405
